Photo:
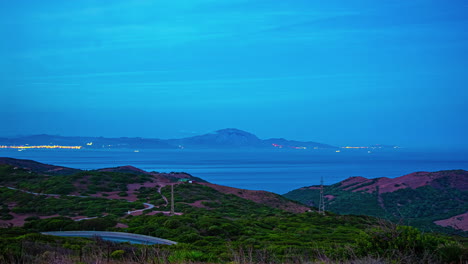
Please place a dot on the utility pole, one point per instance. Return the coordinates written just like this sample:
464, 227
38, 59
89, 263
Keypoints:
172, 199
322, 200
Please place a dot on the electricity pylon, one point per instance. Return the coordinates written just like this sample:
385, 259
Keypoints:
172, 199
321, 206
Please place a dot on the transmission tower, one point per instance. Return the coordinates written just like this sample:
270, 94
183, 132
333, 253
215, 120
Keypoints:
322, 200
172, 199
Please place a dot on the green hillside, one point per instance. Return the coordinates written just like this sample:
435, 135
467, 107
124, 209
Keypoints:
418, 207
210, 226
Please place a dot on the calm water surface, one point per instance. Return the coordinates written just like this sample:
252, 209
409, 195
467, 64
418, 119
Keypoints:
277, 171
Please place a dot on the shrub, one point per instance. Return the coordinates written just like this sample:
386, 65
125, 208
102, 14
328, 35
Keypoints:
123, 194
406, 240
185, 256
6, 217
117, 254
31, 218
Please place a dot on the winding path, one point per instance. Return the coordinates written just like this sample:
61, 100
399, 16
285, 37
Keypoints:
164, 197
148, 206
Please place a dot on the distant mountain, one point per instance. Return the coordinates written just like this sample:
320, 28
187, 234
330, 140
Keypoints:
224, 138
422, 199
235, 138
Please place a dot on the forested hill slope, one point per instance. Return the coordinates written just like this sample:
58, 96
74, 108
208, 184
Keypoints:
119, 183
210, 223
422, 199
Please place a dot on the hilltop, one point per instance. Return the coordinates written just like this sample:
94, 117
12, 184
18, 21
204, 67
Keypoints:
34, 166
456, 179
428, 200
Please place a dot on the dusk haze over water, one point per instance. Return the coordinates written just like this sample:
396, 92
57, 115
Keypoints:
335, 72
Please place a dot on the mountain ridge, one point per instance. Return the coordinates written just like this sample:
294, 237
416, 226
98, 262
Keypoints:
223, 138
413, 180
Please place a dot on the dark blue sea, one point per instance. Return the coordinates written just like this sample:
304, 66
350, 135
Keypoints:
276, 170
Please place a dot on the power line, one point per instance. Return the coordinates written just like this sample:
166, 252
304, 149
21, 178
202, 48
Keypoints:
322, 200
172, 199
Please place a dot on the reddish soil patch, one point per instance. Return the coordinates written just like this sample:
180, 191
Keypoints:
158, 212
458, 222
81, 186
120, 225
455, 179
163, 212
261, 197
11, 205
329, 197
354, 180
125, 169
78, 217
136, 213
115, 196
135, 186
18, 219
198, 204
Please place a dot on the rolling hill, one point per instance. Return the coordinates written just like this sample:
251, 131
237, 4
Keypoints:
124, 183
427, 200
211, 223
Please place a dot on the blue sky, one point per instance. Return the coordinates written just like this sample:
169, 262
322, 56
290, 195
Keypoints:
337, 72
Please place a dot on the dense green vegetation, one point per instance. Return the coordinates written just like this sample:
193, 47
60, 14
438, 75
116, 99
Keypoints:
43, 205
207, 236
228, 228
99, 181
13, 175
212, 227
89, 182
35, 182
418, 207
425, 203
343, 202
150, 195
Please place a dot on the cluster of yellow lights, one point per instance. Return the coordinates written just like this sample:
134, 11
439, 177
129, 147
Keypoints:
376, 147
42, 147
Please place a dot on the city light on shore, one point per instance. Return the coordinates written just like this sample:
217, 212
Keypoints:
41, 147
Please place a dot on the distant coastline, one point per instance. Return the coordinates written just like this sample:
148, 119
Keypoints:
229, 138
